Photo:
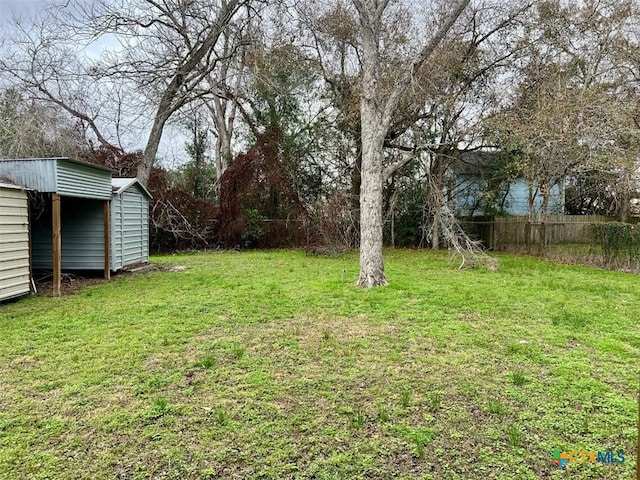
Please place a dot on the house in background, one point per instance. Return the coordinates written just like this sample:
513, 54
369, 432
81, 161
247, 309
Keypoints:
70, 216
15, 270
483, 186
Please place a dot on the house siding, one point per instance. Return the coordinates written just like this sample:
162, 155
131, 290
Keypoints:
516, 202
14, 243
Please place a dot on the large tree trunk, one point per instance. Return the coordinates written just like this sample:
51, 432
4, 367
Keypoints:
151, 150
371, 264
173, 98
376, 113
373, 132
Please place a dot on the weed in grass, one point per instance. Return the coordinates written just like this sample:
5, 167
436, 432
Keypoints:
517, 349
205, 362
470, 390
48, 387
153, 383
326, 335
586, 420
526, 350
208, 473
238, 351
383, 414
159, 409
433, 401
161, 404
420, 437
358, 419
406, 398
569, 319
518, 378
221, 415
514, 434
495, 407
158, 381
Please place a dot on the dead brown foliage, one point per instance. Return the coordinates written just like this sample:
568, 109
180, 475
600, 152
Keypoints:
259, 207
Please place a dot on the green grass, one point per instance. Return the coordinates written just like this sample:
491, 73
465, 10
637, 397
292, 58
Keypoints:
273, 364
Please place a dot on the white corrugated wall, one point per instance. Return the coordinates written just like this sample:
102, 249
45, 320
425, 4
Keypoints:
14, 243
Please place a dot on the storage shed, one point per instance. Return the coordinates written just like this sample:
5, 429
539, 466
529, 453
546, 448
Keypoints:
69, 214
15, 273
129, 223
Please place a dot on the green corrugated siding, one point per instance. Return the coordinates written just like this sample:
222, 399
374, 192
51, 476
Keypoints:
76, 180
64, 176
116, 233
82, 225
129, 228
14, 243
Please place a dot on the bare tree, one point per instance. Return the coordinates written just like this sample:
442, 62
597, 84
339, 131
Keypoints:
459, 91
377, 108
42, 64
166, 50
32, 129
172, 47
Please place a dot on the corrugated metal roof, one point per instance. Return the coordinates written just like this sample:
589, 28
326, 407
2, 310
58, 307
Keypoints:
119, 185
65, 176
73, 160
6, 183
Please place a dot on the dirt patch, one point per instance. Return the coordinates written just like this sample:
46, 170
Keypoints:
74, 281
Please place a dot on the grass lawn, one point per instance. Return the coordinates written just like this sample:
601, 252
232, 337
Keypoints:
273, 365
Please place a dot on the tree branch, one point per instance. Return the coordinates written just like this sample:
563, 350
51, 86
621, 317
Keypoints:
405, 80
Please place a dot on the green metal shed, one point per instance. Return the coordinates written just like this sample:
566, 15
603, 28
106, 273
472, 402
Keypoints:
15, 273
129, 223
69, 213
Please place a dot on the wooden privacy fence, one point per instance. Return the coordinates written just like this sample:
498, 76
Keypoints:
498, 232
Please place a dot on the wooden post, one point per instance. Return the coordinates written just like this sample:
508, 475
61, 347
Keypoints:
492, 226
107, 243
57, 244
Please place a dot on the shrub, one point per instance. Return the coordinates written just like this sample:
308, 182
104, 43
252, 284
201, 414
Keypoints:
259, 206
619, 242
333, 225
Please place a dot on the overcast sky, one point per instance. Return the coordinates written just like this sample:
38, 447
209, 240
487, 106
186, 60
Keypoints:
19, 7
172, 145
